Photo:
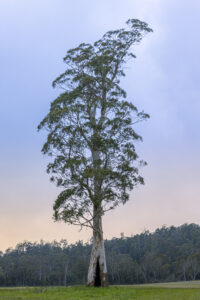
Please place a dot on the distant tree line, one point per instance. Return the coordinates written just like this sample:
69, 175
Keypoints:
168, 254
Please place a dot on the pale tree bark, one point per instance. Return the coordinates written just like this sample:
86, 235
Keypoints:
97, 273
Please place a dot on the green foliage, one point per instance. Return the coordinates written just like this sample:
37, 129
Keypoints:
91, 128
168, 254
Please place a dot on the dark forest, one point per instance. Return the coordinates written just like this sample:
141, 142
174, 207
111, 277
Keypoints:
168, 254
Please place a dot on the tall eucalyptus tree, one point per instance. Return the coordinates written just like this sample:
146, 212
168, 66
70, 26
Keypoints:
91, 136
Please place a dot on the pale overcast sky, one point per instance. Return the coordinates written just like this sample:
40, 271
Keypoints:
163, 81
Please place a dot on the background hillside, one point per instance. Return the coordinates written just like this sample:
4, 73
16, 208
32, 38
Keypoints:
168, 254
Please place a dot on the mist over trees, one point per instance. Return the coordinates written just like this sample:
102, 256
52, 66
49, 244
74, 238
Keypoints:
168, 254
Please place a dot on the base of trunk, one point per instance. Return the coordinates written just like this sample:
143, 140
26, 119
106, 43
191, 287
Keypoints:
97, 274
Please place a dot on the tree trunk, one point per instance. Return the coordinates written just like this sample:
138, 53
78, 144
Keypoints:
97, 273
65, 274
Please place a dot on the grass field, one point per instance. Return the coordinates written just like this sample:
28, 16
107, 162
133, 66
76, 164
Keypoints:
181, 291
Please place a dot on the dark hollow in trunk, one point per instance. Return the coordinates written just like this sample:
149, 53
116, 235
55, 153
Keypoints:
97, 275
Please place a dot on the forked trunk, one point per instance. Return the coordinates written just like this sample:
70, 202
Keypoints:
97, 273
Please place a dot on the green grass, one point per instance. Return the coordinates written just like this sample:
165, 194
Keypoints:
174, 291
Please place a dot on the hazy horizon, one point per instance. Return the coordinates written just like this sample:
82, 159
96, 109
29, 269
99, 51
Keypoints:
162, 81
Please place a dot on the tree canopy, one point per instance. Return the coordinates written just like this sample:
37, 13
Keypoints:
91, 128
